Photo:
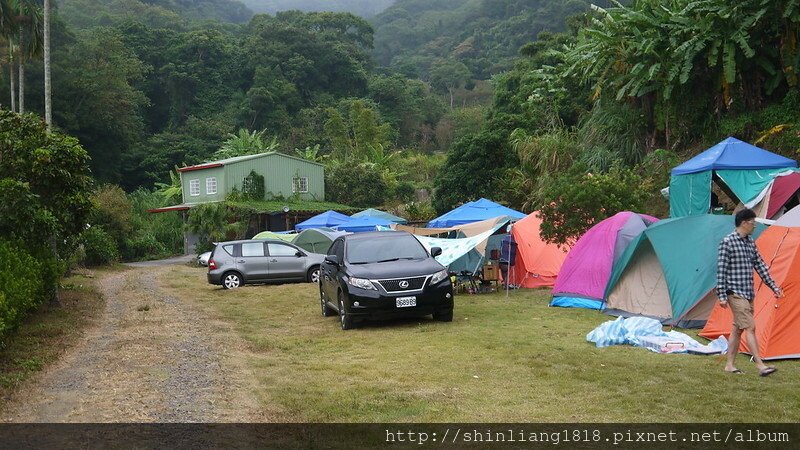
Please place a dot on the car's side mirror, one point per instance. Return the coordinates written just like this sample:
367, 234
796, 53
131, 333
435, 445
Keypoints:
299, 254
332, 259
436, 251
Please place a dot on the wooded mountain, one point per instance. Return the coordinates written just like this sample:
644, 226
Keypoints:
485, 35
363, 8
164, 13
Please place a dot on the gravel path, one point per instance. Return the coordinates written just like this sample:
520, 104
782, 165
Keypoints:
150, 358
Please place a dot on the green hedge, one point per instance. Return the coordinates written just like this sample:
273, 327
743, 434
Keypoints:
23, 284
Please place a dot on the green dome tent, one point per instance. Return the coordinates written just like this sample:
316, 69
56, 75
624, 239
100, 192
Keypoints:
272, 235
669, 271
316, 240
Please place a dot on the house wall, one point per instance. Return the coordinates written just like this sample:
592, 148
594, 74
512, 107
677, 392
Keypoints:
202, 175
278, 171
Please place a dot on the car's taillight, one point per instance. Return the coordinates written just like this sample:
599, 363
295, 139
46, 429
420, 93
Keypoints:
211, 264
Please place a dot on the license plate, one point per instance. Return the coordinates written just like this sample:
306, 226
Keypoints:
404, 302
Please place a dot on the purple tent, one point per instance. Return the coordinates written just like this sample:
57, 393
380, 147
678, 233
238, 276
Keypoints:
583, 277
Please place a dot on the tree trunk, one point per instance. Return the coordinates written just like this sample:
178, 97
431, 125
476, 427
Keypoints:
21, 83
21, 79
48, 111
450, 90
12, 77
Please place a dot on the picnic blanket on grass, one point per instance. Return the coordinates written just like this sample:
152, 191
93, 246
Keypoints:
648, 333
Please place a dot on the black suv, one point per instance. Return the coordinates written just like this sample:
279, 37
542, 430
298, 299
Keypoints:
381, 275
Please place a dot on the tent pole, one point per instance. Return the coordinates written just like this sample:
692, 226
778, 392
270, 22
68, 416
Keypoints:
508, 263
508, 267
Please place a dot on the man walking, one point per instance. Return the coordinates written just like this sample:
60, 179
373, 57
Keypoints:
738, 257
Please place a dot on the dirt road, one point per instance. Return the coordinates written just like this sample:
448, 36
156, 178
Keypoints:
149, 358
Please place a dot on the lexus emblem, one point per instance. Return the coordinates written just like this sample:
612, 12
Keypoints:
403, 284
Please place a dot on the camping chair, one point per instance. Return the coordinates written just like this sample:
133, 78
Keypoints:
465, 282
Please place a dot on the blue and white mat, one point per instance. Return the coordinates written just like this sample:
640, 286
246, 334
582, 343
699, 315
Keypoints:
648, 333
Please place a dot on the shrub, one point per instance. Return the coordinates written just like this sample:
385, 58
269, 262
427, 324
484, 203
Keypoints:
356, 185
580, 199
165, 228
112, 211
100, 247
142, 246
404, 191
419, 211
22, 285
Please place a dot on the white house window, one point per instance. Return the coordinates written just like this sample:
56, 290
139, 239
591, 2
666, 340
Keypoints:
300, 184
211, 185
194, 188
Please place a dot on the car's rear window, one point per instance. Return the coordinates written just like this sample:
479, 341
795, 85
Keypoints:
363, 251
228, 249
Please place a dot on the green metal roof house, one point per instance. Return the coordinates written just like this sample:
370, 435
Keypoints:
284, 176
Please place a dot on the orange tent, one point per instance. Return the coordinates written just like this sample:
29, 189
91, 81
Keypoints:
537, 262
777, 319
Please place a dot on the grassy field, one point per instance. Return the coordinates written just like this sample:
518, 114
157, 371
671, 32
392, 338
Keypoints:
500, 360
48, 332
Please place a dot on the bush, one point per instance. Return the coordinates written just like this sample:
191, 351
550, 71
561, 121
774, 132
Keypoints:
356, 185
100, 247
419, 211
22, 286
112, 211
143, 246
580, 199
404, 191
165, 228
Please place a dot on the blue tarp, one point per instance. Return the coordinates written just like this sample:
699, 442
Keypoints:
733, 154
576, 302
473, 212
327, 219
361, 224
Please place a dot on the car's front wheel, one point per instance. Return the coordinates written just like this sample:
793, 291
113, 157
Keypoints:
313, 275
445, 315
326, 310
344, 316
231, 280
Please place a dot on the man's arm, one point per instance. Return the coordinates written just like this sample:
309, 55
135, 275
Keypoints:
723, 262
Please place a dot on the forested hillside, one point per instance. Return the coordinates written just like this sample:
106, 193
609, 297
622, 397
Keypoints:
417, 36
147, 93
165, 13
592, 116
363, 8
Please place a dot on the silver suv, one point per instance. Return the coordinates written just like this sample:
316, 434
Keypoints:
235, 263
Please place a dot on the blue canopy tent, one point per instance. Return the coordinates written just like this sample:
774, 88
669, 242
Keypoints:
473, 212
327, 219
744, 169
362, 224
372, 212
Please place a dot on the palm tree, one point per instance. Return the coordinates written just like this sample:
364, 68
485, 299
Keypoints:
48, 108
29, 38
7, 27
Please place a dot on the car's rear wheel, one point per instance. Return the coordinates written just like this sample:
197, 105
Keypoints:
445, 315
313, 275
344, 317
326, 310
231, 280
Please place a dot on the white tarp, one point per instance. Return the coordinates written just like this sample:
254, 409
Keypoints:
452, 249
